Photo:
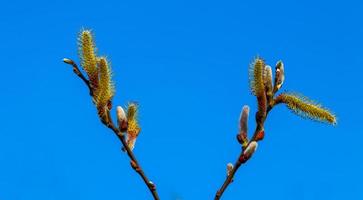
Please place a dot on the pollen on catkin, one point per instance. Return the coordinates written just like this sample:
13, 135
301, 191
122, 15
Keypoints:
87, 56
106, 90
133, 128
256, 71
306, 108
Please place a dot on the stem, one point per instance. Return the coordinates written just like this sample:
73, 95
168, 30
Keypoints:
229, 178
79, 74
241, 158
133, 161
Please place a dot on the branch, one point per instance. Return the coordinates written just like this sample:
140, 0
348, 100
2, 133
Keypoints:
243, 157
261, 87
134, 164
133, 161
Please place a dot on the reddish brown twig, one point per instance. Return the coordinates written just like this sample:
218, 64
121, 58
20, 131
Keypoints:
134, 163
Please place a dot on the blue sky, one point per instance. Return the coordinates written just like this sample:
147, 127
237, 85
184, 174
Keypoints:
186, 64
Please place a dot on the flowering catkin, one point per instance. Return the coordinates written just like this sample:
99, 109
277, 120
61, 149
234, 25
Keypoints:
306, 108
133, 128
87, 56
256, 76
105, 91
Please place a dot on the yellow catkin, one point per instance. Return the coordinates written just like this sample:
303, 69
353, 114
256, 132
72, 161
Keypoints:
306, 108
88, 57
105, 90
256, 77
133, 128
257, 70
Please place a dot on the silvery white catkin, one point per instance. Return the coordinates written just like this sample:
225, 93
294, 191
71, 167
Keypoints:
121, 116
243, 119
251, 148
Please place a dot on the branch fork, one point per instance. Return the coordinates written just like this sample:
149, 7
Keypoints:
101, 89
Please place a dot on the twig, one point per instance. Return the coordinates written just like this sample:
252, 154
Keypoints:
242, 158
134, 163
79, 74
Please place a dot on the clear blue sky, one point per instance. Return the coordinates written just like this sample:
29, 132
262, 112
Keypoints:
186, 64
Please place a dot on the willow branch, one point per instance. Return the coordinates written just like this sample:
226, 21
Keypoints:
133, 161
242, 158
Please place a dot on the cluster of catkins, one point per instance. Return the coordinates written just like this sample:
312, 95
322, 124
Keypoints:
102, 88
264, 88
262, 85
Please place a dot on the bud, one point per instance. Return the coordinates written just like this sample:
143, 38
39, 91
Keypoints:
151, 185
229, 169
134, 165
244, 118
242, 136
133, 128
121, 119
279, 76
251, 148
268, 83
68, 61
260, 135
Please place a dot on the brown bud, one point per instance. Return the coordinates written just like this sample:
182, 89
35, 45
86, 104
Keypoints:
260, 135
133, 165
229, 169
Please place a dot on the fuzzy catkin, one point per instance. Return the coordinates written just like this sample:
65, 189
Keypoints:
306, 108
87, 55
